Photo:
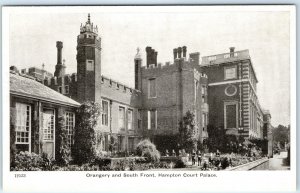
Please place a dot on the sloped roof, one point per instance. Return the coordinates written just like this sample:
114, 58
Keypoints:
30, 88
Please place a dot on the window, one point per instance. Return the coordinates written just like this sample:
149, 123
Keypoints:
70, 124
139, 118
129, 119
121, 118
23, 127
152, 119
203, 89
211, 58
67, 89
104, 113
227, 56
204, 120
230, 72
231, 115
60, 89
48, 127
152, 88
89, 65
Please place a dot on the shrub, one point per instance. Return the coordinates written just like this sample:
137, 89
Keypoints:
83, 150
148, 150
25, 161
180, 164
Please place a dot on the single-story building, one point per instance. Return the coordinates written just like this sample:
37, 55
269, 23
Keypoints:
36, 111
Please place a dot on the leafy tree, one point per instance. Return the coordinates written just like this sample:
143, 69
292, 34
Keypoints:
187, 127
216, 138
84, 148
281, 135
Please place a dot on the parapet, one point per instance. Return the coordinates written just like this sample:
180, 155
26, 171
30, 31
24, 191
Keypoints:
110, 83
225, 57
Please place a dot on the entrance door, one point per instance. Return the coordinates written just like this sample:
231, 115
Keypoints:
49, 132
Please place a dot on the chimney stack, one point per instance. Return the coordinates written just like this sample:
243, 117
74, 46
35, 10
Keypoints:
179, 52
175, 53
148, 55
59, 46
155, 58
231, 51
184, 51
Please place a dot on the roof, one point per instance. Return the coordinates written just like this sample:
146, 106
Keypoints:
27, 87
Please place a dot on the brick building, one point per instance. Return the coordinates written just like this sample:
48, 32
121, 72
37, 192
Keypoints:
221, 90
233, 100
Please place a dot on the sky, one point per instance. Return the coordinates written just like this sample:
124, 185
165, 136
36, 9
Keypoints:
33, 32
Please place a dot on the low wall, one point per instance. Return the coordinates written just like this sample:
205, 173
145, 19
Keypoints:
260, 164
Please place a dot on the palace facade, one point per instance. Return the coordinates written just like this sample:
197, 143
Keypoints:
220, 90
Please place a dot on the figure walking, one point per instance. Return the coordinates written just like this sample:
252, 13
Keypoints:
199, 158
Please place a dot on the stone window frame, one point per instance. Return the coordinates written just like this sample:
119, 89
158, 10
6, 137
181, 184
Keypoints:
130, 126
149, 118
123, 124
104, 116
227, 103
230, 67
20, 132
149, 89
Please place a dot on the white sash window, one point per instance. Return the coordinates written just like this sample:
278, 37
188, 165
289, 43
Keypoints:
70, 125
23, 126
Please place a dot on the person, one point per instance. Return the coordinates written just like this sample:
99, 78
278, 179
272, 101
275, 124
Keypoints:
199, 158
179, 152
217, 153
167, 153
194, 157
173, 153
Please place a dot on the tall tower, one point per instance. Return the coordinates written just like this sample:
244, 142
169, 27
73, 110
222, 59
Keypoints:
88, 63
137, 70
60, 67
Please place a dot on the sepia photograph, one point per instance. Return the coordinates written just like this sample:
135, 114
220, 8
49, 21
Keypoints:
151, 90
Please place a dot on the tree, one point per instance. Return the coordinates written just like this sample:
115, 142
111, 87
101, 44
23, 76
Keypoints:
187, 127
84, 148
216, 138
281, 135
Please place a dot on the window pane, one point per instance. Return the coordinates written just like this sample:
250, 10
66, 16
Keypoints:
121, 117
231, 116
130, 119
230, 73
152, 88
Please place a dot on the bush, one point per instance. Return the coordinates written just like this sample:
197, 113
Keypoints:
180, 164
25, 161
84, 148
148, 150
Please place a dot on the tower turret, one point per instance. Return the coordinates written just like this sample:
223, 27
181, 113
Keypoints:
137, 70
89, 63
60, 67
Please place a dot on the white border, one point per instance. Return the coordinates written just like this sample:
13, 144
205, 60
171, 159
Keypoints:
78, 182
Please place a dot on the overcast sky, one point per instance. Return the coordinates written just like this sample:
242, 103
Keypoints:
211, 30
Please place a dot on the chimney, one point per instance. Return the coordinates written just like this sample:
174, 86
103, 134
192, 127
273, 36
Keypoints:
231, 51
59, 46
179, 52
195, 58
175, 53
184, 51
155, 58
148, 57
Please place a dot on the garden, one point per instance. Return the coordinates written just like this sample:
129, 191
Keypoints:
84, 155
